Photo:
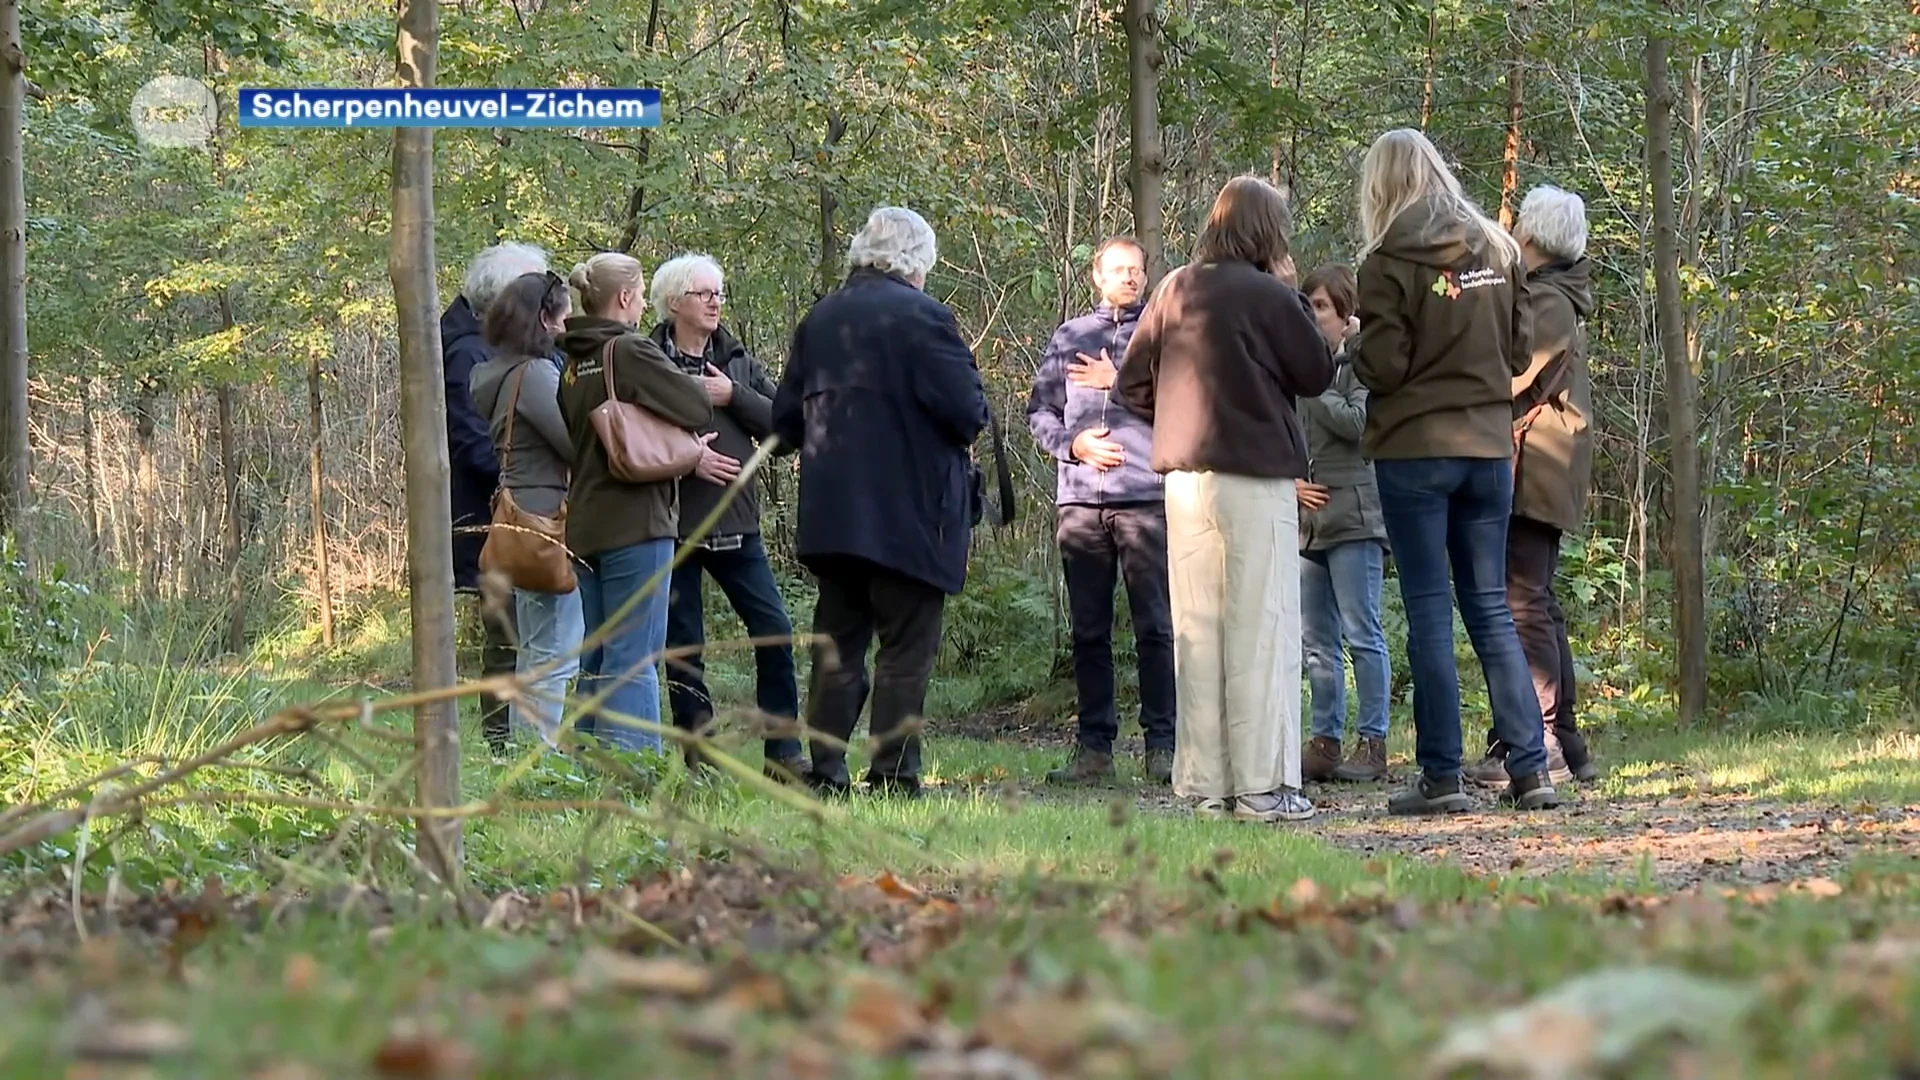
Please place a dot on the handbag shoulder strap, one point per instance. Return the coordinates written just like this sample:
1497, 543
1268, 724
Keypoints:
513, 407
606, 367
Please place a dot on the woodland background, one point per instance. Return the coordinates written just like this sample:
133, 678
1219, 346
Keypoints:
214, 397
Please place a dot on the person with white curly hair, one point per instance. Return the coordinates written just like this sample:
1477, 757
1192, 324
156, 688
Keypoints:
883, 399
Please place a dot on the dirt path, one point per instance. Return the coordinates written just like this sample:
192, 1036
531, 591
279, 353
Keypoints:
1675, 842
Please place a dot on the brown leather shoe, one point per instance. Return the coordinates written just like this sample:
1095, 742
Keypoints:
1321, 759
1368, 763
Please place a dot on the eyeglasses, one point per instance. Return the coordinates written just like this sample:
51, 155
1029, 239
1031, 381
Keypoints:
554, 281
704, 295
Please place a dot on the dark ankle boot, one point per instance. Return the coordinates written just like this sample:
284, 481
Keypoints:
1085, 767
1321, 760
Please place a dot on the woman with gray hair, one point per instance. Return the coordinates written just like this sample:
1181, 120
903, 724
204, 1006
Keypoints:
883, 400
1553, 464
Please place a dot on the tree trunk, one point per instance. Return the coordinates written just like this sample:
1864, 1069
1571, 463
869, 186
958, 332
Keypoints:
1149, 165
15, 454
1510, 156
1273, 80
230, 488
1426, 87
146, 509
1299, 86
1689, 571
423, 433
643, 150
90, 456
829, 203
317, 492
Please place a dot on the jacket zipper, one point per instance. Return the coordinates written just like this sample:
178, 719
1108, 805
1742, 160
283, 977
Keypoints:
1106, 401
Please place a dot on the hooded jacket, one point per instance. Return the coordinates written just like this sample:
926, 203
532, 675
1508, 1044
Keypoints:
1334, 422
1058, 411
604, 513
740, 424
1444, 328
1555, 464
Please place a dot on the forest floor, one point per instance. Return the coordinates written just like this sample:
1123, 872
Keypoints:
1712, 906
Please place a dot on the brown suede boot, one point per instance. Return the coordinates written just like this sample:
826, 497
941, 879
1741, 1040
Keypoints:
1368, 763
1321, 760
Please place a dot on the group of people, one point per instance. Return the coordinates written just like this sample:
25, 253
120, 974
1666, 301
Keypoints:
1242, 449
1245, 449
880, 397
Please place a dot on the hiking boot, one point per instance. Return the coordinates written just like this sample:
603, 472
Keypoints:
786, 770
1533, 792
1158, 767
1085, 767
1283, 804
1429, 796
1489, 771
893, 787
1321, 760
828, 785
1586, 772
1368, 763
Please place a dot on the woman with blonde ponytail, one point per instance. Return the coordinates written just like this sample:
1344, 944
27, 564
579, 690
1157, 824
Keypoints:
1444, 328
622, 534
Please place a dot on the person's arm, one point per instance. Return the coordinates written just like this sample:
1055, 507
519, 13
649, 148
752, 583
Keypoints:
1133, 385
945, 381
647, 378
1047, 401
752, 403
789, 417
1306, 364
539, 406
1346, 403
469, 443
1529, 341
1386, 339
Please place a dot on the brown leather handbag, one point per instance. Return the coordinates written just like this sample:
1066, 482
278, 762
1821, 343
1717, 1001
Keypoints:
531, 550
641, 447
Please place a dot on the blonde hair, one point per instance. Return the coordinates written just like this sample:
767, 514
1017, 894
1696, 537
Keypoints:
600, 279
1403, 169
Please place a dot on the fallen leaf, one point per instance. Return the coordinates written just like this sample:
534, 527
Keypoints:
880, 1017
986, 1063
301, 973
1597, 1020
664, 975
896, 888
1305, 893
131, 1040
1322, 1009
419, 1055
1824, 888
1054, 1031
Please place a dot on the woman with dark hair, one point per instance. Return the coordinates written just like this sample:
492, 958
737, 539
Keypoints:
1343, 539
518, 391
1221, 353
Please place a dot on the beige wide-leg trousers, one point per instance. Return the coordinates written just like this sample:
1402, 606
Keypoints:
1233, 556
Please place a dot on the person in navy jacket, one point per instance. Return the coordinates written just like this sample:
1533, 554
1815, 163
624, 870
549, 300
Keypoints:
883, 399
1111, 518
473, 472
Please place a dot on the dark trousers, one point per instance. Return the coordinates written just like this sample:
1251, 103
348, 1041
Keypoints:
858, 602
1100, 545
1533, 557
497, 656
746, 579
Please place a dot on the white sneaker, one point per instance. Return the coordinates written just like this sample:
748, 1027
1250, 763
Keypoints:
1212, 808
1285, 804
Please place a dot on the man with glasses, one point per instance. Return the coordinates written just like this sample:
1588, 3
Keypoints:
688, 291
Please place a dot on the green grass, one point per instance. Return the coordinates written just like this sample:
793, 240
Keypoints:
1225, 950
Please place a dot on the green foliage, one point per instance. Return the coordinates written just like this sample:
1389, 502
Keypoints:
40, 626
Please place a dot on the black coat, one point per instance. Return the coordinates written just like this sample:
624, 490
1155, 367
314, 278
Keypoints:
472, 470
883, 399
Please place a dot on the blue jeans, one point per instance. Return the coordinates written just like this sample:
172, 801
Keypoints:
550, 632
746, 578
1340, 599
1451, 514
628, 659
